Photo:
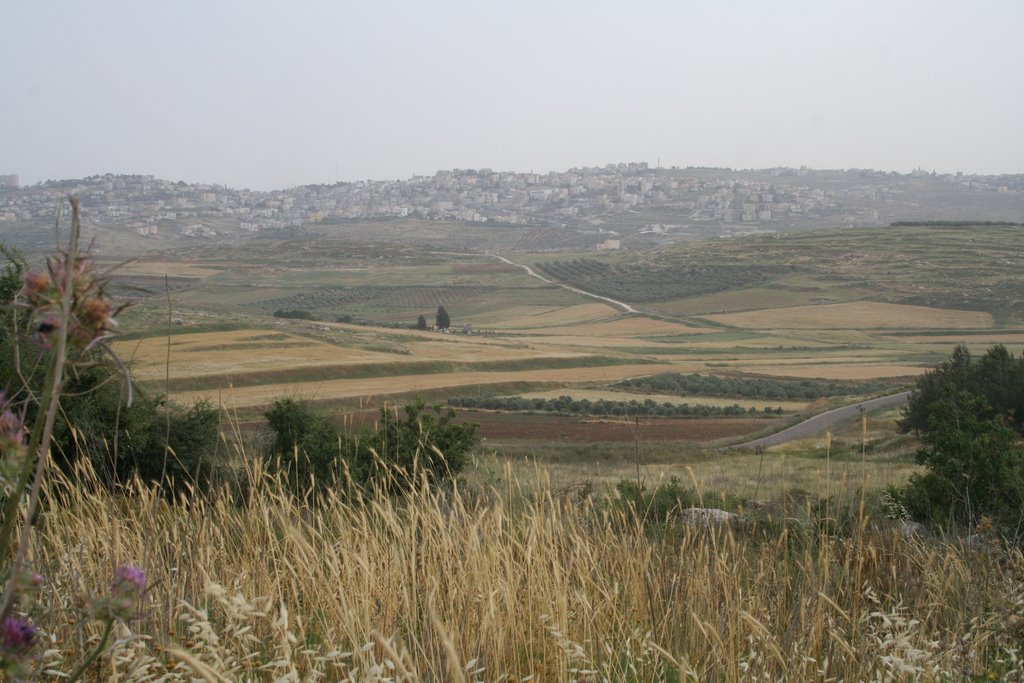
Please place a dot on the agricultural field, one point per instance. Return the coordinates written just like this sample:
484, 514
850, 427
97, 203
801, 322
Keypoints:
872, 459
857, 315
869, 306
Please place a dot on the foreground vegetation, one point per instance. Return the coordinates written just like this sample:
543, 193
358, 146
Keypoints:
449, 585
189, 553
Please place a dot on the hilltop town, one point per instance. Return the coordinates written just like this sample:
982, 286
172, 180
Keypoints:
627, 199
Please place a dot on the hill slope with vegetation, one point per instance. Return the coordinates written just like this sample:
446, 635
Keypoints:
962, 267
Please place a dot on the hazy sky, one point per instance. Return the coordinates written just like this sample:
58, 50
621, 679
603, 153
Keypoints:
274, 94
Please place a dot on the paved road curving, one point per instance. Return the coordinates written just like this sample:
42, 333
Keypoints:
626, 308
819, 423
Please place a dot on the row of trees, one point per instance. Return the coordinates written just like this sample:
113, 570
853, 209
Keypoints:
442, 321
746, 387
602, 407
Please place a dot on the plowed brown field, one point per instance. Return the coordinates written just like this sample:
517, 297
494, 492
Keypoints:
499, 426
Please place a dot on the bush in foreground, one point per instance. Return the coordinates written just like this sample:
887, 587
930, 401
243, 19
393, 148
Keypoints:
393, 455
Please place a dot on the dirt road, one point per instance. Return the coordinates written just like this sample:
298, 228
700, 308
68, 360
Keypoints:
626, 308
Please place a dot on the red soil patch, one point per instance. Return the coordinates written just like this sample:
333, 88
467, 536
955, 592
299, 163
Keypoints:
539, 427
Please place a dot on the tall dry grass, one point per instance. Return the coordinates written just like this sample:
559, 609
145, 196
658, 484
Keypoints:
509, 586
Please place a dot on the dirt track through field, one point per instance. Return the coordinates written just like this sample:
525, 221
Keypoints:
626, 308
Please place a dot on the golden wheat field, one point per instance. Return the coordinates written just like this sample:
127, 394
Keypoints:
378, 387
979, 339
151, 268
527, 317
253, 367
623, 327
856, 315
598, 343
257, 350
499, 586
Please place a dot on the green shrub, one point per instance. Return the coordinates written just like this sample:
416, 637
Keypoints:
997, 378
391, 456
151, 439
968, 414
659, 506
425, 442
307, 446
975, 466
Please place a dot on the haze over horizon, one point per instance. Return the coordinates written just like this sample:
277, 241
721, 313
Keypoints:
278, 96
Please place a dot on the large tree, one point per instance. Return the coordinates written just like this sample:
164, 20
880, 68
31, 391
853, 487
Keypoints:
974, 467
969, 414
442, 321
997, 378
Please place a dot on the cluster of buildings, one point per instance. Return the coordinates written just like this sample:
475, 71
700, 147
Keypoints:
649, 199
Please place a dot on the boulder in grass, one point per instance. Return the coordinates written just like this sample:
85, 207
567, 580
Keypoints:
908, 529
709, 516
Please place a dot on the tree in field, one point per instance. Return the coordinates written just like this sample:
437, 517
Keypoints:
974, 466
968, 414
421, 323
997, 378
307, 445
442, 321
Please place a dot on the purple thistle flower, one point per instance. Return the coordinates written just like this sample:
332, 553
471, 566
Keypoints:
128, 575
92, 314
12, 426
17, 634
126, 590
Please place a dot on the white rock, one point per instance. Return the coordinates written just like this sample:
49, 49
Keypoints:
707, 516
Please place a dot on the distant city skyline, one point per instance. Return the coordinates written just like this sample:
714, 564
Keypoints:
539, 172
278, 96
